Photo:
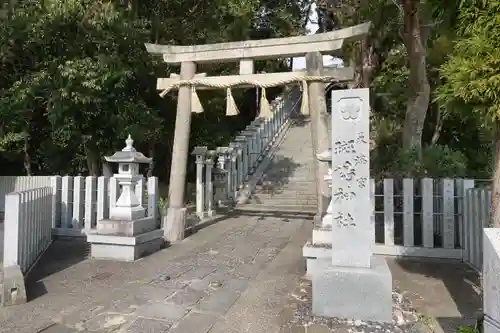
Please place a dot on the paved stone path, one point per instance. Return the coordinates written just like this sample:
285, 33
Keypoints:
232, 276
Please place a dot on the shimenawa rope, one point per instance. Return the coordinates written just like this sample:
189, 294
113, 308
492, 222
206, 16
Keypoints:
255, 83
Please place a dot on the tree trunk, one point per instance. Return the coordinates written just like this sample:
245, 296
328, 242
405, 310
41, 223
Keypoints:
495, 198
27, 155
151, 166
416, 109
92, 155
107, 170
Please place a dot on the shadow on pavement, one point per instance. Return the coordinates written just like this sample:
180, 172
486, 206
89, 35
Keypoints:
60, 255
454, 305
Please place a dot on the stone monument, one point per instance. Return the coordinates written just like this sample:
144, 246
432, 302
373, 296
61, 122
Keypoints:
128, 234
347, 280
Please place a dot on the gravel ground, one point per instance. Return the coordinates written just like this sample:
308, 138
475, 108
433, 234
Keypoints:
405, 318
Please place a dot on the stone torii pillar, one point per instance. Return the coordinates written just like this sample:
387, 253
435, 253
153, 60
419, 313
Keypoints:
319, 130
174, 225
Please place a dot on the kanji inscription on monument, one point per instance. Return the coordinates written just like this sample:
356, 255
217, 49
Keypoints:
352, 229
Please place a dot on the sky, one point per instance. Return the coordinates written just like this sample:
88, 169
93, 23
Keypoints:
312, 27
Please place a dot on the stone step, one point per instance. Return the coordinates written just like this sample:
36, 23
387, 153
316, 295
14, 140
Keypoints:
317, 251
293, 209
306, 174
288, 180
276, 201
285, 180
288, 201
289, 195
292, 186
321, 235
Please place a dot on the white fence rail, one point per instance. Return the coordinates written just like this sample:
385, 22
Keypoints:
10, 184
82, 201
422, 218
477, 217
79, 202
28, 226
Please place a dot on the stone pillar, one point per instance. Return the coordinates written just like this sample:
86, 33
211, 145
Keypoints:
250, 138
222, 175
230, 174
258, 138
209, 187
266, 136
319, 128
234, 170
241, 140
199, 153
175, 222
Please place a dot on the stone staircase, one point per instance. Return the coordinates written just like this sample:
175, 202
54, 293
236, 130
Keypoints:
288, 184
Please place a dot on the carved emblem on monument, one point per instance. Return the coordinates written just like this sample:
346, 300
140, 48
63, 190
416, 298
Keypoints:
350, 108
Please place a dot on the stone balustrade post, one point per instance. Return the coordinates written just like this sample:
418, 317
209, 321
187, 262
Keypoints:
221, 159
273, 125
241, 140
236, 165
276, 114
199, 153
255, 142
258, 139
281, 111
209, 186
230, 173
269, 130
250, 138
223, 166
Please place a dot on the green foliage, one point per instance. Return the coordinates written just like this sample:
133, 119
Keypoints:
472, 72
468, 329
76, 77
437, 161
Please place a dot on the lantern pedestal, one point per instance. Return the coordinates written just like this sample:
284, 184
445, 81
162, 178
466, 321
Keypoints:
124, 248
128, 234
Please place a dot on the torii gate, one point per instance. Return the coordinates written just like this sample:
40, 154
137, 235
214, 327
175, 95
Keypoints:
245, 52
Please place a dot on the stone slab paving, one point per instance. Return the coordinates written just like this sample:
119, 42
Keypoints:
193, 286
243, 274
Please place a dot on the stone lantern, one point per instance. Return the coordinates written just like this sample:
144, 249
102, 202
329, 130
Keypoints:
128, 233
128, 206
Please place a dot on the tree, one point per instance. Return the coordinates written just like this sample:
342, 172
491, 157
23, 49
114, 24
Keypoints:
76, 78
471, 76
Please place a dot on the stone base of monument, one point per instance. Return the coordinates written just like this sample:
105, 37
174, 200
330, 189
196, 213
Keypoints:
126, 228
352, 292
125, 240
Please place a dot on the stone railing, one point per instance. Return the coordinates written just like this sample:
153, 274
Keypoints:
223, 172
28, 232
